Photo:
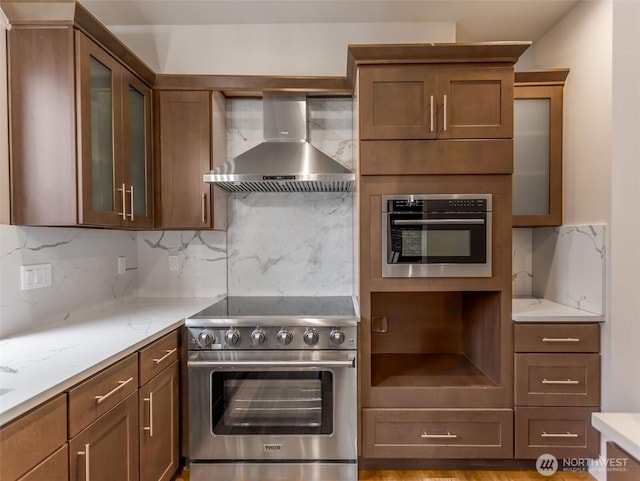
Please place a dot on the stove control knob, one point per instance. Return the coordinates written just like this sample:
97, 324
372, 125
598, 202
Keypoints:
206, 338
258, 337
310, 337
337, 337
232, 337
284, 336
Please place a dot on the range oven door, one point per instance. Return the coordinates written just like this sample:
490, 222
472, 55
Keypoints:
256, 406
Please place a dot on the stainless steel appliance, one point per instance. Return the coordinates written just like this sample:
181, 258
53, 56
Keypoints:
436, 235
273, 389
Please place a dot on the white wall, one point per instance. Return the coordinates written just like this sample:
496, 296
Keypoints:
269, 49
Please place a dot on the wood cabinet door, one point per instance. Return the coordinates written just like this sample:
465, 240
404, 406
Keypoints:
475, 102
184, 199
159, 426
101, 193
624, 467
108, 449
398, 102
136, 152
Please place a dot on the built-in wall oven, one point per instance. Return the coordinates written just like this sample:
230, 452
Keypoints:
436, 235
273, 397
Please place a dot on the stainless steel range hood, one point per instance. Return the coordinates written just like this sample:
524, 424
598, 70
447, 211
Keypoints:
285, 161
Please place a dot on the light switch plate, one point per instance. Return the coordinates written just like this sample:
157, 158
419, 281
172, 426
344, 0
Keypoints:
173, 263
35, 276
122, 265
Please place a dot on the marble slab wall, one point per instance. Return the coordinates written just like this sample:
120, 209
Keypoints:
84, 272
291, 243
522, 262
201, 264
569, 266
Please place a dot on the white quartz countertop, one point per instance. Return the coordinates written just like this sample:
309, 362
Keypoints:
38, 365
541, 310
621, 428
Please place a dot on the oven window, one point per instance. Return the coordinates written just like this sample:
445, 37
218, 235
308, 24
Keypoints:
436, 243
275, 402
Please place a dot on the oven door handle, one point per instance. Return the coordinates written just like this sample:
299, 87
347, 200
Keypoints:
268, 364
437, 221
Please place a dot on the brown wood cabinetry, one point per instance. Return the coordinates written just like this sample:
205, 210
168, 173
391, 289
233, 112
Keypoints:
537, 169
557, 388
185, 152
54, 468
80, 135
625, 468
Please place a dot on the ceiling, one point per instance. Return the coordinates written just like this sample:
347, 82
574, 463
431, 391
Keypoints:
476, 20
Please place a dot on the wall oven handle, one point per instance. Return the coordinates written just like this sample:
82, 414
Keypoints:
436, 221
268, 364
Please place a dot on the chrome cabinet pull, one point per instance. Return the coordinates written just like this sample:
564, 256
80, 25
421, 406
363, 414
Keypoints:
85, 453
149, 428
204, 207
558, 435
168, 353
431, 113
560, 381
120, 385
445, 112
131, 192
559, 339
123, 189
439, 436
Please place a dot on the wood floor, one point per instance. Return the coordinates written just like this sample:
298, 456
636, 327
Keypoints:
468, 475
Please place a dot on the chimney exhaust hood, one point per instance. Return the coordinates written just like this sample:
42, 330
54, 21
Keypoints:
285, 161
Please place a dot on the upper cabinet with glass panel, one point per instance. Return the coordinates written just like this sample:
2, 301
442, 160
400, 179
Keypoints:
80, 126
537, 138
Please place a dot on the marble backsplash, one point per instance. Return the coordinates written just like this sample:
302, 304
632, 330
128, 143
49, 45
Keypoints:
291, 243
562, 264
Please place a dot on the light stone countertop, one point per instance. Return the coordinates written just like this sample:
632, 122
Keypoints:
532, 309
621, 428
37, 365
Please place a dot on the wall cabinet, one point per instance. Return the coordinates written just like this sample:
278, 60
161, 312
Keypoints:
80, 130
185, 152
537, 163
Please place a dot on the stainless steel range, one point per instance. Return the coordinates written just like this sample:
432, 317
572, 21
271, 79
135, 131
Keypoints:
272, 389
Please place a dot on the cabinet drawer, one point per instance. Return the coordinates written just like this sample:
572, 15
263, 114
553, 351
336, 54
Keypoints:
31, 438
419, 433
563, 432
54, 468
557, 379
623, 466
157, 356
94, 397
556, 338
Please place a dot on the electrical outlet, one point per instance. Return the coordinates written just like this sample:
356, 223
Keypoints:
173, 263
122, 265
35, 276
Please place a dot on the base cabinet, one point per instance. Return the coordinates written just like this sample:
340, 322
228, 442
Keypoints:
108, 449
624, 467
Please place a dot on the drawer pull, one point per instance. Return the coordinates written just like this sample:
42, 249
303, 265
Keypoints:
85, 453
168, 353
560, 339
558, 435
120, 385
150, 426
560, 381
439, 436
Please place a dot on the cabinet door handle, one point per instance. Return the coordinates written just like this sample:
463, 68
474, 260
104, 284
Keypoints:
204, 207
560, 339
120, 385
445, 113
150, 426
431, 113
439, 436
560, 381
123, 189
85, 453
168, 353
558, 435
131, 192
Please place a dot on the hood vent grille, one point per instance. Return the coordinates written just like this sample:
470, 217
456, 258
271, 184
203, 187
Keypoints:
291, 186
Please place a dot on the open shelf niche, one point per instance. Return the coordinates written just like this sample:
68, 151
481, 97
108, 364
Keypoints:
435, 339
